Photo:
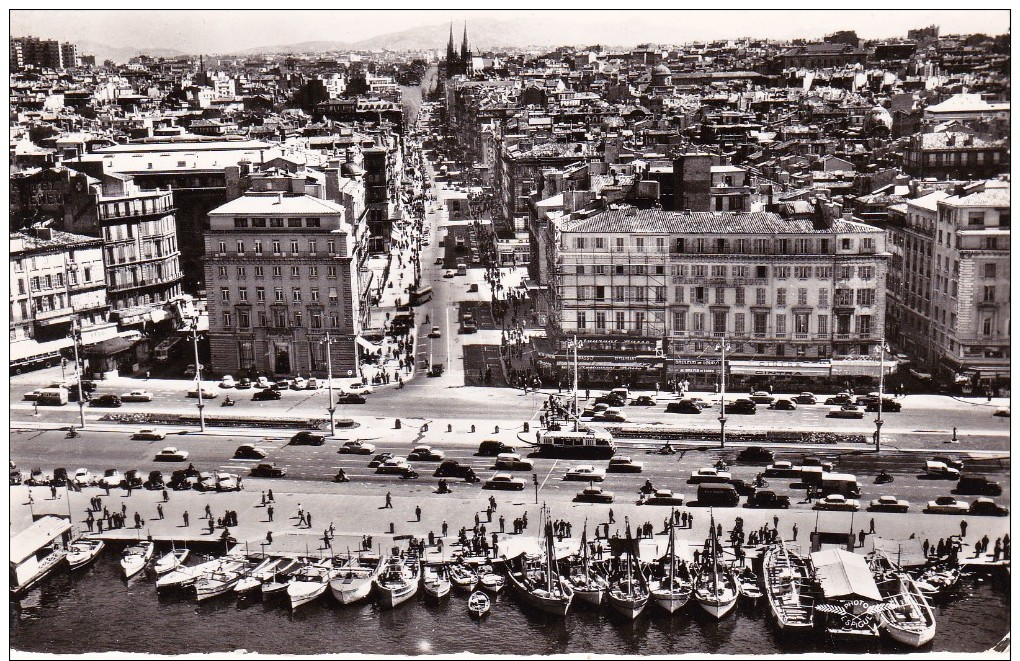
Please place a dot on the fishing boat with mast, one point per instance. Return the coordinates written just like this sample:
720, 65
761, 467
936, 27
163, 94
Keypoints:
789, 588
589, 585
671, 583
354, 581
908, 617
399, 580
536, 582
220, 581
628, 591
715, 588
490, 580
185, 577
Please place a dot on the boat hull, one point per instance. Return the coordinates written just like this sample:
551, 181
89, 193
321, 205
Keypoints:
352, 592
554, 605
86, 556
628, 607
592, 596
304, 592
392, 596
209, 589
716, 607
670, 602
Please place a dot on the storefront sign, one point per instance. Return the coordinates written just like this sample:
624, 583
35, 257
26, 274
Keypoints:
767, 368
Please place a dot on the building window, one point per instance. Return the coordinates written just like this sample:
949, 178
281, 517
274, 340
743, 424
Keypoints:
258, 247
579, 242
989, 294
242, 294
738, 323
866, 272
975, 218
600, 321
782, 272
311, 222
679, 294
660, 294
802, 296
802, 272
639, 294
823, 324
223, 247
600, 243
823, 272
314, 293
295, 271
334, 321
761, 271
225, 295
864, 325
316, 320
331, 272
698, 321
720, 296
259, 272
619, 244
334, 297
846, 272
579, 269
297, 317
582, 320
619, 269
781, 297
986, 326
718, 322
276, 222
781, 325
331, 247
260, 294
699, 270
639, 244
846, 244
263, 319
227, 320
660, 244
258, 222
311, 247
760, 296
600, 269
867, 245
639, 322
761, 323
240, 271
240, 222
865, 297
718, 270
293, 222
823, 298
698, 294
679, 320
989, 270
296, 294
739, 294
639, 269
243, 320
277, 271
276, 247
223, 271
278, 291
844, 297
800, 322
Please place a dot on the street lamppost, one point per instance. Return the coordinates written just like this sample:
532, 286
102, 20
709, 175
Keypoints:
75, 336
722, 393
881, 395
329, 384
198, 375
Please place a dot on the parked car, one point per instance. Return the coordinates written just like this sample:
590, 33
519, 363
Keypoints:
171, 454
762, 397
452, 468
784, 405
624, 465
439, 262
393, 465
977, 485
356, 447
306, 437
448, 274
267, 395
585, 473
765, 499
593, 495
249, 452
132, 480
701, 402
492, 448
227, 482
708, 475
663, 497
643, 400
83, 477
592, 411
206, 394
189, 371
864, 400
512, 461
1001, 413
840, 399
106, 401
227, 381
837, 503
244, 383
425, 453
155, 481
136, 396
888, 406
947, 505
282, 383
755, 454
148, 435
683, 406
299, 383
350, 398
358, 387
987, 507
888, 504
268, 470
806, 398
312, 383
182, 480
847, 411
611, 399
741, 406
504, 482
262, 382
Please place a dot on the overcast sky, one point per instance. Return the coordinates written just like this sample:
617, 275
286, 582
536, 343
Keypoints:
220, 31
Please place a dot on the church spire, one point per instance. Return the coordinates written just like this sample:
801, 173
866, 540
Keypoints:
464, 46
450, 52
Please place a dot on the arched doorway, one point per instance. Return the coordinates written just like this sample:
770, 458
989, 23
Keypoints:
281, 359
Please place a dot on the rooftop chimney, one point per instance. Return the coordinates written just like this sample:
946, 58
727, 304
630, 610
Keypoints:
279, 198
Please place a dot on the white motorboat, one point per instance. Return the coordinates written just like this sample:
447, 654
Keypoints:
254, 578
135, 557
309, 583
354, 582
185, 577
398, 581
217, 582
490, 580
435, 582
171, 561
82, 552
462, 576
748, 585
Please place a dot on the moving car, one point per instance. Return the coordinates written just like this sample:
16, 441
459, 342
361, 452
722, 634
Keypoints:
766, 499
709, 475
393, 465
356, 447
601, 407
268, 470
755, 454
379, 459
987, 507
741, 406
1001, 413
816, 461
683, 406
307, 438
473, 287
784, 405
782, 469
888, 406
888, 504
643, 400
977, 485
847, 411
939, 470
358, 387
952, 462
425, 453
701, 402
663, 497
624, 465
32, 395
439, 261
593, 495
136, 396
227, 381
106, 401
148, 435
451, 468
512, 461
206, 394
806, 398
171, 454
611, 399
249, 452
350, 398
504, 482
490, 448
227, 482
267, 395
435, 332
762, 397
448, 274
585, 473
840, 399
947, 505
837, 503
610, 415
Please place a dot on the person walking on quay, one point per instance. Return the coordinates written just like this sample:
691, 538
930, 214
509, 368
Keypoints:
269, 537
502, 523
963, 529
775, 522
795, 532
860, 536
90, 521
612, 518
185, 518
138, 520
208, 511
308, 519
166, 496
332, 530
99, 523
269, 495
417, 512
871, 529
301, 518
269, 511
159, 511
212, 526
123, 509
263, 499
389, 501
925, 546
492, 502
446, 528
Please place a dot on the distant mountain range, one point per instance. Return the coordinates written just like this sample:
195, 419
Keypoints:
121, 54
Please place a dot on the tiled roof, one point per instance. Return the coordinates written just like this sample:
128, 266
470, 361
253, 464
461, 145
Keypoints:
629, 219
996, 197
273, 204
941, 141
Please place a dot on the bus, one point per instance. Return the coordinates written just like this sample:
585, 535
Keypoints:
421, 295
52, 397
166, 349
575, 444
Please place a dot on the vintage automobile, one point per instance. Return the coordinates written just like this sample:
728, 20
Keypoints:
755, 454
784, 404
425, 453
987, 507
846, 411
741, 406
148, 435
249, 452
947, 505
171, 454
593, 495
762, 397
356, 447
624, 465
806, 398
512, 461
709, 474
683, 406
136, 396
504, 481
837, 503
306, 437
585, 473
268, 470
888, 504
765, 499
663, 497
393, 466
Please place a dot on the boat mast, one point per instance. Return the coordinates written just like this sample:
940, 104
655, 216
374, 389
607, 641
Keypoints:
715, 562
671, 553
584, 553
550, 553
630, 552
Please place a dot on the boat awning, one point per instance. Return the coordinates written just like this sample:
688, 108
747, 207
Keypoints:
844, 574
39, 534
904, 552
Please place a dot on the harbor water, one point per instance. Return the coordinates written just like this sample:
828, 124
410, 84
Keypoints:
97, 611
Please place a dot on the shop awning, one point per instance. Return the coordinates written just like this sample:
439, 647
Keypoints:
113, 346
769, 367
366, 345
844, 574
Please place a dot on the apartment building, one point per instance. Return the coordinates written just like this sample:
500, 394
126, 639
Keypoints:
668, 286
281, 273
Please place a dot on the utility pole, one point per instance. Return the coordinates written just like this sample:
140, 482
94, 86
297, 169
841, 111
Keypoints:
722, 396
881, 394
534, 478
329, 384
75, 335
198, 375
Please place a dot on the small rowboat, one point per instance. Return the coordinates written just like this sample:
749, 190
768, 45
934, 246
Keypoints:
490, 581
83, 552
463, 577
436, 585
748, 585
135, 558
479, 604
171, 561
